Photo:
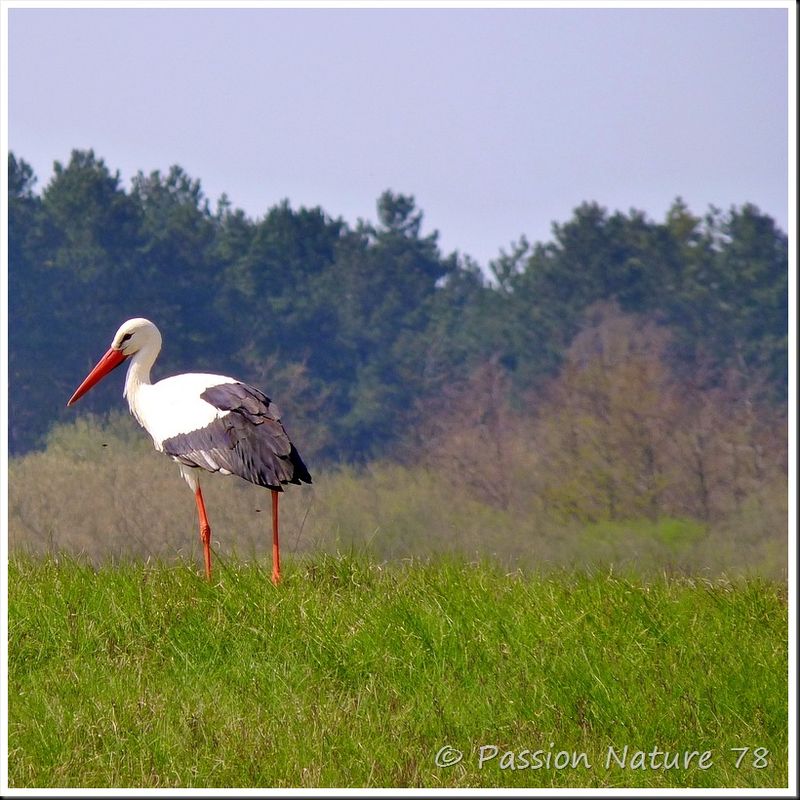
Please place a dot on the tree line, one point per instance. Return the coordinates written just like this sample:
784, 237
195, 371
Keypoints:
362, 331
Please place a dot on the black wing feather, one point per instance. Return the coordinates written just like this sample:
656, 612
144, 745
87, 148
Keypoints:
250, 441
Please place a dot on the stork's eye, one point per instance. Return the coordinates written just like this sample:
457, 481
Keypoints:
126, 337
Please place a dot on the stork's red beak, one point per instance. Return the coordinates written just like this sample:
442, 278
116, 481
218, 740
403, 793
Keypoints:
110, 361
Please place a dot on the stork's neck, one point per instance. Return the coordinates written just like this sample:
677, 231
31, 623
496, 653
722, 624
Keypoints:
139, 375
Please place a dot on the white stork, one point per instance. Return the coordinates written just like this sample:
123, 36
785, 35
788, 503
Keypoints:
202, 421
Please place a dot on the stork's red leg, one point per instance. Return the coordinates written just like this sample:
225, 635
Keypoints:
205, 530
276, 550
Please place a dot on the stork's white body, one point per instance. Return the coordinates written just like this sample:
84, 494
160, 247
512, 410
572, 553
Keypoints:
173, 406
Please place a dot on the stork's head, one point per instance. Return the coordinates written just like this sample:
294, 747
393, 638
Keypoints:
134, 336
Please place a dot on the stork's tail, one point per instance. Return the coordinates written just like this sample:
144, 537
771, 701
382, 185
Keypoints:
300, 473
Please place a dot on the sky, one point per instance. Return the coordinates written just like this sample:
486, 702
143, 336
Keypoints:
498, 121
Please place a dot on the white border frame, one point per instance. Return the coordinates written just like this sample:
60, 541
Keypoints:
791, 8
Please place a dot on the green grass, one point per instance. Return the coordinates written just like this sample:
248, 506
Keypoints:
355, 674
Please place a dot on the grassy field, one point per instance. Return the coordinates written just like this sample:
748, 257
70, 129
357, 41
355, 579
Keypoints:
355, 674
